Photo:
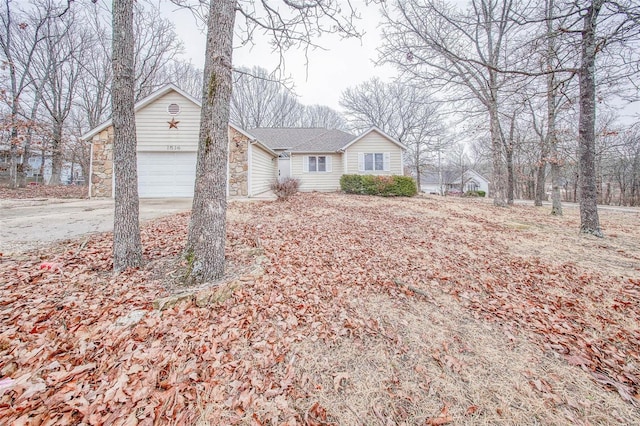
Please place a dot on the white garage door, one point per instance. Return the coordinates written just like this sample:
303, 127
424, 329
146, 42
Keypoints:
166, 174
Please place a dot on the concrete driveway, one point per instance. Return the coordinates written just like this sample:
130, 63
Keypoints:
27, 224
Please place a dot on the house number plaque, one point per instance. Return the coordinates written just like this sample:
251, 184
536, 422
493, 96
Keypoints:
173, 147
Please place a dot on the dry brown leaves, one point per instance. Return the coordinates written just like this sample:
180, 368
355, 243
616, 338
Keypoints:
78, 344
44, 191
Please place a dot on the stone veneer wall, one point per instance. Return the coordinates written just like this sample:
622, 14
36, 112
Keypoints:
102, 166
238, 164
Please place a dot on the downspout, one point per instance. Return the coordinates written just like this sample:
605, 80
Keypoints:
90, 169
249, 156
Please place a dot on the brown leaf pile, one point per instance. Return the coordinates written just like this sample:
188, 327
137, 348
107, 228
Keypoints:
45, 191
78, 344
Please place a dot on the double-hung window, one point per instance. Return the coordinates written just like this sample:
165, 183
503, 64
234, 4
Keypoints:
317, 163
373, 161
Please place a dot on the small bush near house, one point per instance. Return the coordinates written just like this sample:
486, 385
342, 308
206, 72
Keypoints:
386, 186
475, 194
285, 188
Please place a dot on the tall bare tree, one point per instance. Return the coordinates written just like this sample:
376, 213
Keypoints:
59, 69
19, 40
322, 116
444, 47
94, 96
260, 100
127, 246
185, 75
402, 110
620, 22
156, 47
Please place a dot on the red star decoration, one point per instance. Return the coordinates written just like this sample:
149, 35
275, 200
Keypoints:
173, 124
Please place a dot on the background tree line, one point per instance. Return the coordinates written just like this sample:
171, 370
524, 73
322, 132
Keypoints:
507, 78
56, 82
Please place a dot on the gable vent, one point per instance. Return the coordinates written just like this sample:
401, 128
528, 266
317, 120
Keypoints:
173, 109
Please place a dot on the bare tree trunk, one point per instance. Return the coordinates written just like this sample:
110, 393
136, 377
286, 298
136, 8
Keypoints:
541, 175
127, 247
556, 192
22, 177
207, 228
56, 155
498, 173
552, 136
508, 150
417, 160
589, 220
510, 174
13, 159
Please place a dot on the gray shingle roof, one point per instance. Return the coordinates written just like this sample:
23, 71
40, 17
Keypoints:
450, 177
431, 178
303, 139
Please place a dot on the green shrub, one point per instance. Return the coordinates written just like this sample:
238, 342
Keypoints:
475, 193
386, 186
403, 186
351, 184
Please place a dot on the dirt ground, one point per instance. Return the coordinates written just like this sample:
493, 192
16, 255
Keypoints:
369, 311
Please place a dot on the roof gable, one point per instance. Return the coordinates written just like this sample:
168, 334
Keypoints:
380, 132
141, 104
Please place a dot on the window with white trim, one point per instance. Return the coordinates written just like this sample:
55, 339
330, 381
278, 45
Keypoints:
373, 161
317, 164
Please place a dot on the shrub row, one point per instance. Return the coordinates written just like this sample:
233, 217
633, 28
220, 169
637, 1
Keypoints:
478, 193
386, 186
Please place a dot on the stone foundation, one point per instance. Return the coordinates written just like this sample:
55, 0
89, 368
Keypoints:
102, 166
238, 164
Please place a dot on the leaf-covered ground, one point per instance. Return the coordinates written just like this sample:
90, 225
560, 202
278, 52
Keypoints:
370, 311
44, 191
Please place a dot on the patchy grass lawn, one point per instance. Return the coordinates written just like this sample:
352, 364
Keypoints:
423, 311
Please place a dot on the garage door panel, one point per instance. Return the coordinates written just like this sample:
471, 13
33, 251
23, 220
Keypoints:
166, 174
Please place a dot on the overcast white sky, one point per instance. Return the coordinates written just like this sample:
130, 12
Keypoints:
344, 64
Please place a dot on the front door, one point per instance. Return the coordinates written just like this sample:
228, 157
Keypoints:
284, 166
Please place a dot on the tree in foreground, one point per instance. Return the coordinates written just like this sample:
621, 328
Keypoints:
297, 24
620, 27
127, 247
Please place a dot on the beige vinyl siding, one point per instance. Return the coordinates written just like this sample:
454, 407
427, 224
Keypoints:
152, 125
262, 169
317, 181
374, 142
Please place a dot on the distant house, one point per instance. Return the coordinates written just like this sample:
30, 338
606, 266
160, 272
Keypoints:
38, 168
167, 126
450, 180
